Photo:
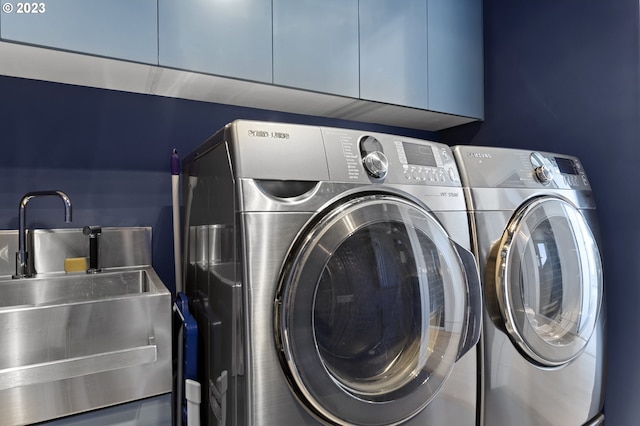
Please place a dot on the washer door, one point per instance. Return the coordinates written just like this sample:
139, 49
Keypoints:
549, 280
371, 311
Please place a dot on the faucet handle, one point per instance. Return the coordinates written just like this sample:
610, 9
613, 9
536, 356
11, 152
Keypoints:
92, 231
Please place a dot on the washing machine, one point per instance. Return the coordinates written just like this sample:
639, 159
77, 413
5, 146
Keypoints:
330, 274
535, 235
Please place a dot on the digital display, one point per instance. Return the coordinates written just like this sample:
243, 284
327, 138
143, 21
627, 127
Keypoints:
419, 155
566, 166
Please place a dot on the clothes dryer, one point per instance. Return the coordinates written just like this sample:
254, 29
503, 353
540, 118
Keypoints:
535, 235
330, 274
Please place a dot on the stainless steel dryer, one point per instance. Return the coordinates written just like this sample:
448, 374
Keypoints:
328, 274
535, 232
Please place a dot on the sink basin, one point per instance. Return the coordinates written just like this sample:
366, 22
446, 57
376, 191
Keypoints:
15, 294
76, 342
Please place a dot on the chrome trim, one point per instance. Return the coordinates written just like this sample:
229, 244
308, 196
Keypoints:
597, 421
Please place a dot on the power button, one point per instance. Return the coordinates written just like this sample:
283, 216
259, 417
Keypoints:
452, 174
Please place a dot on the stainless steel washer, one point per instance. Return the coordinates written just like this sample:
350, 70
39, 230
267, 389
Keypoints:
330, 275
535, 235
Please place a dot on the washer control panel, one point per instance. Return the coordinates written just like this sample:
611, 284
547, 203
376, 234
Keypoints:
425, 162
368, 157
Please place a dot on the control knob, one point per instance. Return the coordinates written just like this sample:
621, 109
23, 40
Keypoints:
541, 168
543, 174
376, 164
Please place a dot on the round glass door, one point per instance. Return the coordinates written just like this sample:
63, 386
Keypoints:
549, 281
370, 311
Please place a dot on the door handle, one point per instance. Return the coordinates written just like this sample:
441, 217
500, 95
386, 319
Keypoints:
473, 323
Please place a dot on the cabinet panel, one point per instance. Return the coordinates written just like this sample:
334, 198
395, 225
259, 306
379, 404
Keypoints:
315, 45
393, 52
222, 37
455, 72
123, 29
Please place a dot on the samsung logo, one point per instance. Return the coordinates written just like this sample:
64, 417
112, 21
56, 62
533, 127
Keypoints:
258, 133
266, 134
479, 155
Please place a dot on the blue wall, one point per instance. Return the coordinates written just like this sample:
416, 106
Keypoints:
110, 152
563, 76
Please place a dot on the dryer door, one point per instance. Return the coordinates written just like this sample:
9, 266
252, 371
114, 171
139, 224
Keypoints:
371, 312
549, 280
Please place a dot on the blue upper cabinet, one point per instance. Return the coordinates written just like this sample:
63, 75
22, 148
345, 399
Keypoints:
393, 52
425, 54
315, 45
456, 78
221, 37
123, 29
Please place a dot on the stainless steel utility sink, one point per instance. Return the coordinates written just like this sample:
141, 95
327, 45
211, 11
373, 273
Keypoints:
75, 342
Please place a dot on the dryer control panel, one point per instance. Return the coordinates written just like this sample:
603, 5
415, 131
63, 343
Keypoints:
561, 170
571, 171
491, 167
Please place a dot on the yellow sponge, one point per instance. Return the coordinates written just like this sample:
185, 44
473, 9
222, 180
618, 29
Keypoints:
75, 264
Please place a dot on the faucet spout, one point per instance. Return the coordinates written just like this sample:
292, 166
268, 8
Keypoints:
22, 255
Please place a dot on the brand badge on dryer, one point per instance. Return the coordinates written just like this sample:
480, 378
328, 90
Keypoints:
479, 155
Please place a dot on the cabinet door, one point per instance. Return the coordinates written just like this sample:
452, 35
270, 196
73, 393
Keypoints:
222, 37
315, 45
123, 29
455, 72
393, 51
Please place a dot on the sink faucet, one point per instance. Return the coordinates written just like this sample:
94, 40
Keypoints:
22, 256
